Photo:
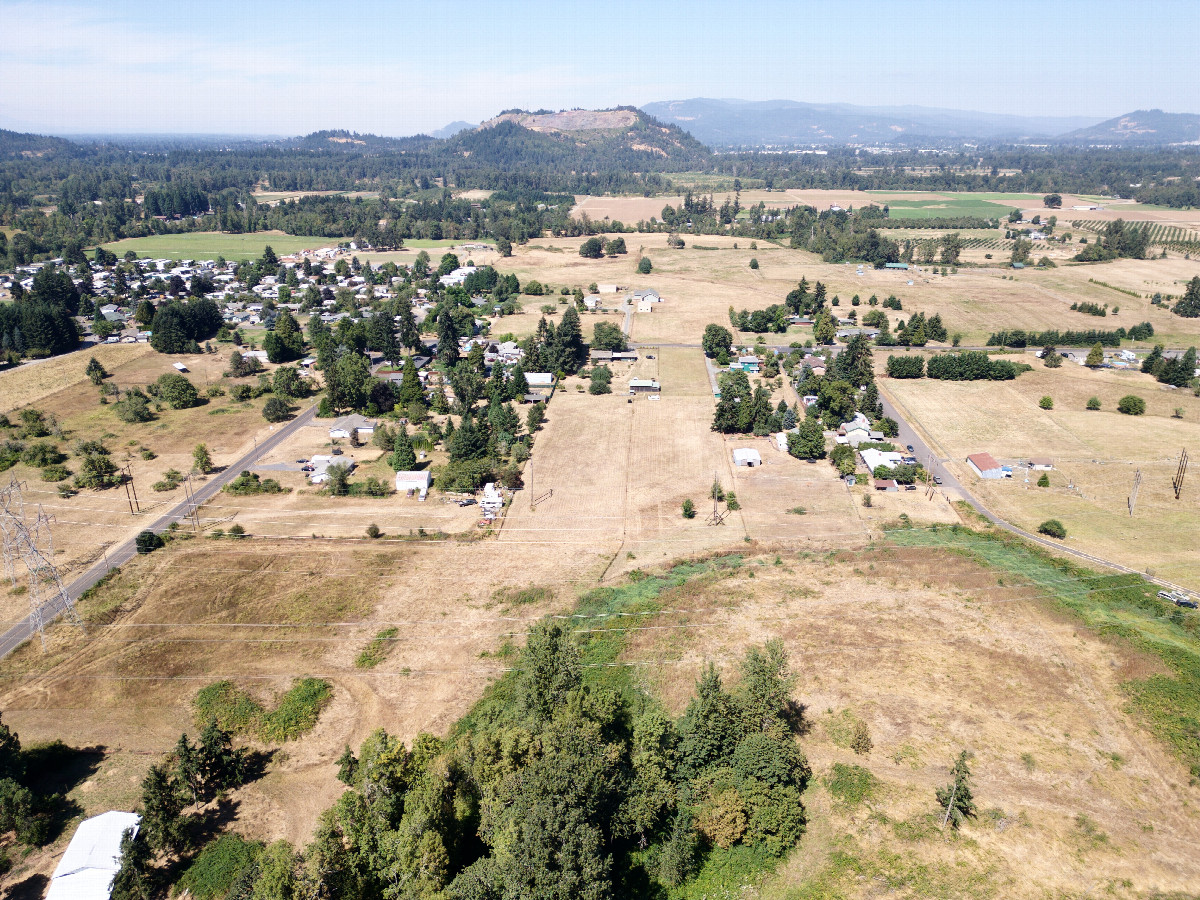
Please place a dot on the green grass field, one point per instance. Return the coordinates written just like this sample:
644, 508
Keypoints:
949, 205
211, 244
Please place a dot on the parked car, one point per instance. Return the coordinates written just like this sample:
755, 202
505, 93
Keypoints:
910, 449
302, 461
469, 501
1190, 604
937, 479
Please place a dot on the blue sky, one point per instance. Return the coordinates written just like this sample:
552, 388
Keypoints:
400, 68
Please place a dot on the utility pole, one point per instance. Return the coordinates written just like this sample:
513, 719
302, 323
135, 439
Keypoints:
1177, 482
128, 483
1137, 483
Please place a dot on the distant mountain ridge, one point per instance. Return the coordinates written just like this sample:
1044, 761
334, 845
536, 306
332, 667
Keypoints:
781, 123
1142, 127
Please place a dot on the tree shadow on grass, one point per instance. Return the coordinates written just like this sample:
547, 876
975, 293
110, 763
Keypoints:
52, 771
32, 888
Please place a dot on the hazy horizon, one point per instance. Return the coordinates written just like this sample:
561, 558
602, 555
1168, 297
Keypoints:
274, 69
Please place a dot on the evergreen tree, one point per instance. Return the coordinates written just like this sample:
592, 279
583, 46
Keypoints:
1095, 357
956, 798
403, 458
447, 339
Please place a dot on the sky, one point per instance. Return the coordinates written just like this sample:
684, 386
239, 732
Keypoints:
399, 68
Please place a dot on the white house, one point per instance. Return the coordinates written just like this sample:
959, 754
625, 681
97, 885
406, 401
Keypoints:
322, 464
746, 456
93, 857
492, 501
873, 459
417, 482
351, 426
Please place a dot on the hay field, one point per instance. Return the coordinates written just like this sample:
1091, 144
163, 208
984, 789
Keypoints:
186, 616
1095, 454
699, 285
935, 656
93, 520
211, 244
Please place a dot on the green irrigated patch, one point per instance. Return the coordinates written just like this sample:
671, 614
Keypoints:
376, 651
236, 711
1124, 606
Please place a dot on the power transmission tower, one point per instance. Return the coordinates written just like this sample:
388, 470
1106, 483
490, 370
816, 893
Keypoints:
28, 548
1137, 483
1177, 481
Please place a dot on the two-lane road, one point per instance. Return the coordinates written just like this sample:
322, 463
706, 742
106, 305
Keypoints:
53, 608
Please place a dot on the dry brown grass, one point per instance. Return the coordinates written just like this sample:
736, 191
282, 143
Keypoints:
936, 657
1096, 452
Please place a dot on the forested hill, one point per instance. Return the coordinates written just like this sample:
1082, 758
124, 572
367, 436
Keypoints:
1142, 128
15, 143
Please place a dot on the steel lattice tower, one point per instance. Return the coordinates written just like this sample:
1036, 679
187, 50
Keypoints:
28, 547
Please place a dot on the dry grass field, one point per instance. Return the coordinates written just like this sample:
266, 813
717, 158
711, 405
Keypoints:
936, 656
699, 285
931, 650
1095, 455
92, 520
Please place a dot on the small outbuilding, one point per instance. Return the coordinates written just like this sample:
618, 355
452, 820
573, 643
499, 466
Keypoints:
985, 466
644, 386
414, 483
1041, 463
746, 456
886, 484
93, 857
180, 367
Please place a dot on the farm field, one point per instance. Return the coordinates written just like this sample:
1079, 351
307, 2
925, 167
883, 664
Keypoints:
934, 655
211, 244
699, 285
1095, 453
93, 520
925, 646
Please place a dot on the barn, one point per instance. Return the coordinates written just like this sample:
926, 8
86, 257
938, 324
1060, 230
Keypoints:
985, 466
746, 456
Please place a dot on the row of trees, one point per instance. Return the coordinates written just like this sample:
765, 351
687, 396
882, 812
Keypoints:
1020, 338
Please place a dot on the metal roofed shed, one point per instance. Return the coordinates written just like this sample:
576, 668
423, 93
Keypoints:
93, 857
643, 386
417, 482
985, 466
746, 456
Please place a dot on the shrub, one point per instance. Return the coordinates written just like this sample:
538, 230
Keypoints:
147, 542
1044, 481
644, 266
850, 785
1093, 403
1132, 405
276, 410
217, 867
55, 472
689, 509
41, 454
249, 483
236, 531
754, 263
373, 531
1046, 403
1053, 528
175, 391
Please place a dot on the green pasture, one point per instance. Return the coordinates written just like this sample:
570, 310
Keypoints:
211, 244
942, 206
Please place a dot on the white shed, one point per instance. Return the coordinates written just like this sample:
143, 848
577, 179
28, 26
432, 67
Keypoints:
93, 857
414, 481
746, 456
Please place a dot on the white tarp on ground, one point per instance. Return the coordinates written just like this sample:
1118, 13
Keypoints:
92, 858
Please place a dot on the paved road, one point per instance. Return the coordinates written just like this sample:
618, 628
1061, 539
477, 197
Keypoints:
52, 609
